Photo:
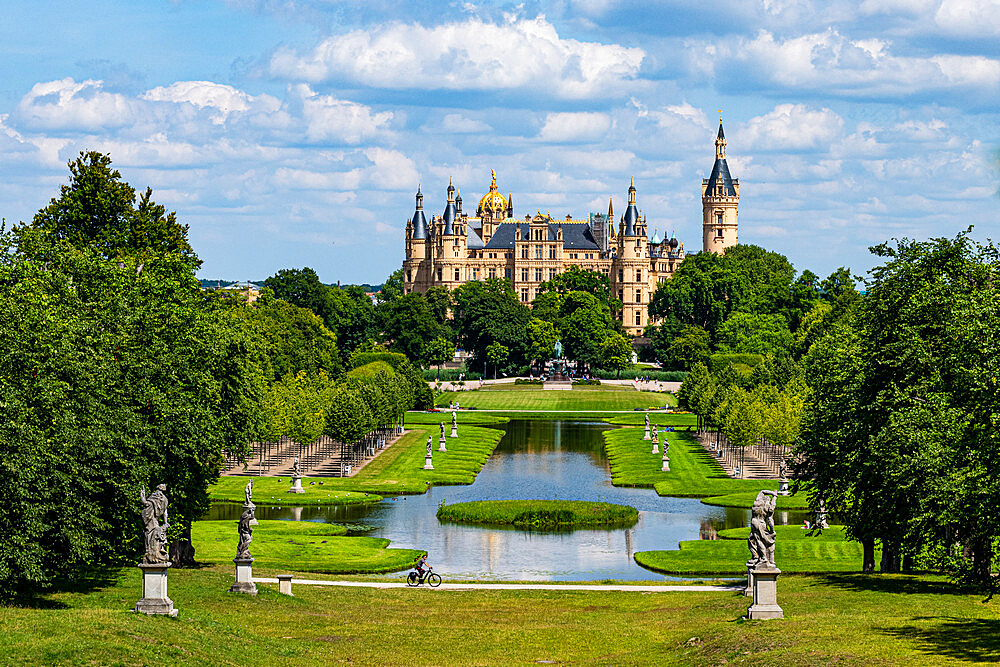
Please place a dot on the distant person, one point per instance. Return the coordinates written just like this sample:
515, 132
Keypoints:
421, 566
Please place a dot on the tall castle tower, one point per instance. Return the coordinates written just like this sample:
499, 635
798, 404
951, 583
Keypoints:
720, 199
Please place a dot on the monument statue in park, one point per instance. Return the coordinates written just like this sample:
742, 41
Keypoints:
295, 468
296, 478
156, 561
558, 349
244, 561
153, 509
247, 521
762, 533
762, 574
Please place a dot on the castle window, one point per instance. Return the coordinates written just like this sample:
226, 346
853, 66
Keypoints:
638, 318
524, 275
524, 252
475, 274
457, 276
718, 232
552, 253
638, 275
493, 273
524, 295
408, 279
621, 295
538, 275
552, 274
506, 274
621, 276
638, 296
538, 252
439, 274
718, 218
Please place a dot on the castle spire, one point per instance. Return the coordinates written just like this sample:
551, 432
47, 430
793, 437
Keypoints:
611, 209
418, 220
720, 143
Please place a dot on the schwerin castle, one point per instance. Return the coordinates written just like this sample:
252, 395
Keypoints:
456, 247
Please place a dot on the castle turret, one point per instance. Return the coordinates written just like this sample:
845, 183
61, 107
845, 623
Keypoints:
720, 199
415, 267
631, 216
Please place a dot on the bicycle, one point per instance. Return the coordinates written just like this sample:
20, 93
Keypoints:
432, 578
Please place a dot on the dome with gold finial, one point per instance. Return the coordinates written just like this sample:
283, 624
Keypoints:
493, 202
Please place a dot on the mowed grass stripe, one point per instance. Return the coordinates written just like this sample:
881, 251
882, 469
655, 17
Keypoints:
539, 399
796, 551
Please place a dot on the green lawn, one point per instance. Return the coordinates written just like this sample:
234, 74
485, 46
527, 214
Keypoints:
693, 471
684, 419
831, 619
539, 514
796, 551
533, 398
398, 469
274, 491
799, 502
303, 546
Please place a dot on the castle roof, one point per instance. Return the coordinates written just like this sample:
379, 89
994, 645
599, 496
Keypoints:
576, 235
720, 174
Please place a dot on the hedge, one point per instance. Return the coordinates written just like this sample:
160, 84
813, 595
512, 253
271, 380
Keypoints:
659, 376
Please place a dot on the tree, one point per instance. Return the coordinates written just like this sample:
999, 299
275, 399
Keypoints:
439, 351
754, 333
98, 210
496, 354
616, 353
739, 416
303, 288
410, 326
575, 279
489, 312
439, 302
689, 347
542, 337
586, 323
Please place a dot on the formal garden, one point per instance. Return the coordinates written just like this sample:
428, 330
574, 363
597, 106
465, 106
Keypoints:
826, 464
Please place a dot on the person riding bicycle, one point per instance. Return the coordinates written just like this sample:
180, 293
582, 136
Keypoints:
421, 566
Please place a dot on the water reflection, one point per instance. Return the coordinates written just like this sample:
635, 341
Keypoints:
535, 459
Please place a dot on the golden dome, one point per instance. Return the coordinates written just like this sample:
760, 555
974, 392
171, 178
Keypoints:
493, 201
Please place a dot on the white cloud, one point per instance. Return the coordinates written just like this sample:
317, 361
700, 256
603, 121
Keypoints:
68, 104
220, 98
456, 123
791, 127
969, 18
575, 126
330, 119
831, 64
470, 55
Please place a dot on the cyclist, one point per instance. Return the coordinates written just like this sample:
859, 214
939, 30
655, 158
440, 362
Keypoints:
421, 566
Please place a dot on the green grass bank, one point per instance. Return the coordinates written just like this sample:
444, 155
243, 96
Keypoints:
303, 546
796, 551
693, 471
539, 514
831, 619
532, 398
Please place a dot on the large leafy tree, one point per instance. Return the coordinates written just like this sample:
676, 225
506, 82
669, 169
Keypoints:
901, 429
585, 323
575, 279
489, 312
118, 372
98, 210
410, 327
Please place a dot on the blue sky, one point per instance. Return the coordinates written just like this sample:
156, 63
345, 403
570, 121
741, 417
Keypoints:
292, 133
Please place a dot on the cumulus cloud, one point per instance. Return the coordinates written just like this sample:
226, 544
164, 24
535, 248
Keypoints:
969, 18
329, 119
829, 63
220, 98
67, 104
574, 126
456, 123
469, 55
791, 127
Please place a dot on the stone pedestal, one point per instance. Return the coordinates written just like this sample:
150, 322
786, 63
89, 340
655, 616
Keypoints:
665, 463
244, 577
765, 593
285, 584
296, 485
427, 463
454, 431
441, 445
656, 448
748, 591
645, 435
154, 590
783, 487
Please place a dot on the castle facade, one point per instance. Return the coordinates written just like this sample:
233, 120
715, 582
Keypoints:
456, 247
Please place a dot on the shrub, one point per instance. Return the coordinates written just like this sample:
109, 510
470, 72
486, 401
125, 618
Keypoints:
659, 376
719, 361
524, 381
594, 381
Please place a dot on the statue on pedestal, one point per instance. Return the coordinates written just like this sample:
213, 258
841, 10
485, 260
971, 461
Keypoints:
247, 521
295, 468
762, 533
153, 509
